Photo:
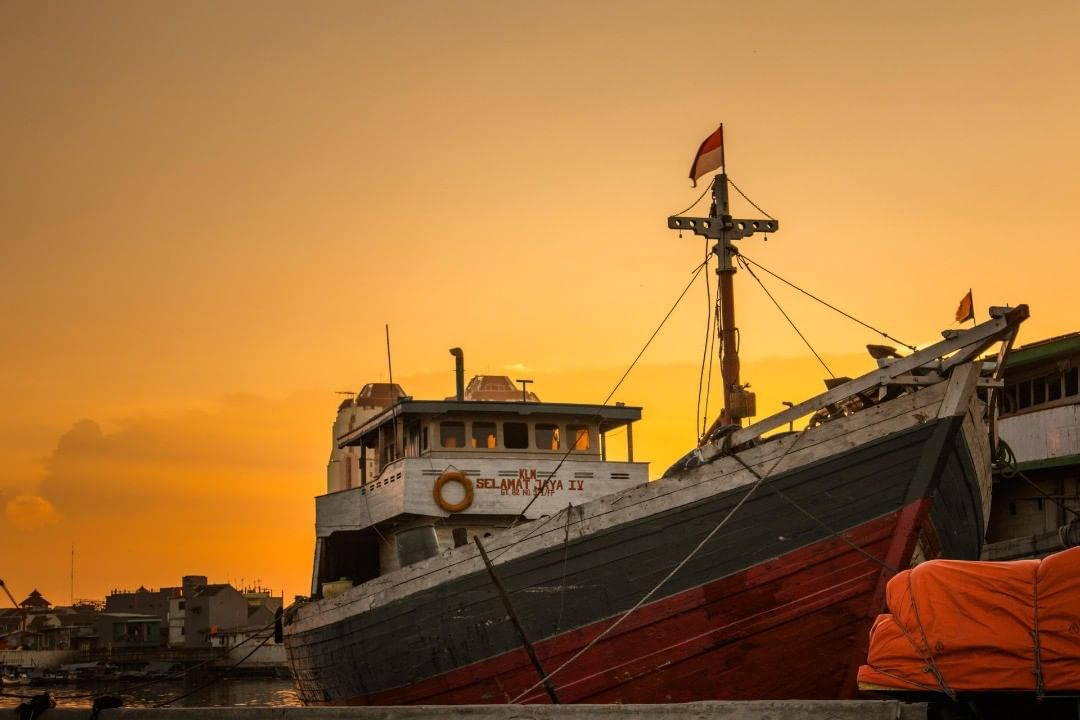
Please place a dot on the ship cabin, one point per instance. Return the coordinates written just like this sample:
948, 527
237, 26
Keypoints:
409, 479
1036, 491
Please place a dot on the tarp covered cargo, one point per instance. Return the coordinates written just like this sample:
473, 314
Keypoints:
979, 626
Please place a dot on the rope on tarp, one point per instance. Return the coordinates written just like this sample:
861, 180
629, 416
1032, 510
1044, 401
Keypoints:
931, 664
1040, 689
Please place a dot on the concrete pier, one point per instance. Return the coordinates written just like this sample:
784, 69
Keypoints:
759, 710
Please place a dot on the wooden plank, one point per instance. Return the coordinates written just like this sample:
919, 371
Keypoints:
976, 339
959, 390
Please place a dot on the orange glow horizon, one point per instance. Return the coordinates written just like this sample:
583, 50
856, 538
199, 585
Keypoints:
210, 212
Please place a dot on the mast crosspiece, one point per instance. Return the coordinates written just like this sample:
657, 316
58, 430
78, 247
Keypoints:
720, 226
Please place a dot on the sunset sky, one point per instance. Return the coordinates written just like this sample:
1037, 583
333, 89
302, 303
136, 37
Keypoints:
210, 210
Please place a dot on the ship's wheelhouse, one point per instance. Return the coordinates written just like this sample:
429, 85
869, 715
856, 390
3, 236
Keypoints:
413, 478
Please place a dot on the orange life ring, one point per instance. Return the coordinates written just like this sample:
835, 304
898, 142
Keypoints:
459, 478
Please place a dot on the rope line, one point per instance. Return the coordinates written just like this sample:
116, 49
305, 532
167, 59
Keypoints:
787, 317
828, 305
691, 206
682, 563
704, 348
1007, 459
820, 523
219, 675
747, 199
697, 271
712, 356
573, 441
930, 663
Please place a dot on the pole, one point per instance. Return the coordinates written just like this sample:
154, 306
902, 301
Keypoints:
389, 364
725, 251
517, 623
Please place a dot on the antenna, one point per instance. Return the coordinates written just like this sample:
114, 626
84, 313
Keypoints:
71, 599
524, 389
389, 364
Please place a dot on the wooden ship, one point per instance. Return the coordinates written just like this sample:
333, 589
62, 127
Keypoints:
489, 551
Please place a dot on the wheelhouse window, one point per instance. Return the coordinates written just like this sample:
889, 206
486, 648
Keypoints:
579, 436
547, 436
484, 435
516, 435
1057, 387
452, 434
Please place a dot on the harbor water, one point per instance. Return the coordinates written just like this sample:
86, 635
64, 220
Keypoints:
226, 692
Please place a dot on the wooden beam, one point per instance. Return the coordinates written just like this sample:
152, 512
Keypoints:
981, 337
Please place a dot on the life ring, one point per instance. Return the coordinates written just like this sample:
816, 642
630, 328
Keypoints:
459, 478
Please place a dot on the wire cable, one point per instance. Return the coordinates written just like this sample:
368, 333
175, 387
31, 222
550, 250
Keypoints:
747, 199
697, 271
795, 327
828, 305
573, 441
682, 563
704, 348
691, 206
205, 685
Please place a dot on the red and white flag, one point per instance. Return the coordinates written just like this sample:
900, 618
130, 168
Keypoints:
710, 155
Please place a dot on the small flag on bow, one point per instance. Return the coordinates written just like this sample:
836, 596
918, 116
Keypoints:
966, 311
710, 155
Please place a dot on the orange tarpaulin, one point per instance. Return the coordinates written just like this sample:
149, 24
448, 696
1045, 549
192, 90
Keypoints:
971, 626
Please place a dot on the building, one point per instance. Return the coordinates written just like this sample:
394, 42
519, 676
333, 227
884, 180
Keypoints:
66, 628
213, 611
1036, 495
128, 630
145, 602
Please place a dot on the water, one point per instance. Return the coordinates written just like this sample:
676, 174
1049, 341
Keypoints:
265, 692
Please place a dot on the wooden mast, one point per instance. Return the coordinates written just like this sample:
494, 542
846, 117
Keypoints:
720, 226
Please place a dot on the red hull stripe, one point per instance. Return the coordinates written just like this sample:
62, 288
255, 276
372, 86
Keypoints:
787, 628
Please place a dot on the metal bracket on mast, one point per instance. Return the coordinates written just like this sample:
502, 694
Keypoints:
723, 228
720, 225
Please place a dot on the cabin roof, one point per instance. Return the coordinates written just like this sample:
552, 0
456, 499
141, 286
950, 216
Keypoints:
1043, 351
609, 416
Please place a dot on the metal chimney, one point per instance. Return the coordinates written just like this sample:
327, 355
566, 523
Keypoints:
459, 371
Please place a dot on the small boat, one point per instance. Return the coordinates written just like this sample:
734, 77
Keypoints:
15, 678
490, 548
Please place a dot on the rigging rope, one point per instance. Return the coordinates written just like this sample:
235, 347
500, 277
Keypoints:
682, 563
691, 206
712, 355
704, 347
756, 206
813, 518
738, 258
828, 305
572, 441
205, 685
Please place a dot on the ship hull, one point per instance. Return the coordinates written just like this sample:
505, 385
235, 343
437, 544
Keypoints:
775, 604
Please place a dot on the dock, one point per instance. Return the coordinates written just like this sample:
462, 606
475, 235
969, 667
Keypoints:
749, 710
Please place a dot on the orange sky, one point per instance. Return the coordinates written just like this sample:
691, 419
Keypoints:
208, 212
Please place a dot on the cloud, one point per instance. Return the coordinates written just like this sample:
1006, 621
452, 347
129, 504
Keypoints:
30, 512
147, 498
518, 367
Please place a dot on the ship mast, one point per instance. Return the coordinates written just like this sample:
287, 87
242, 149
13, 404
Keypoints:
720, 226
